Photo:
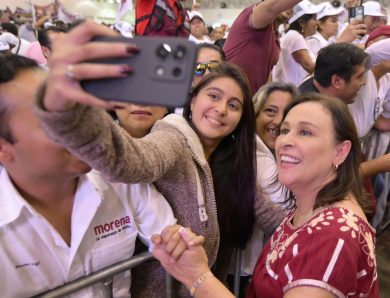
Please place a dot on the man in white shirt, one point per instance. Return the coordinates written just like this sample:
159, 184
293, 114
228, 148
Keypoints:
341, 71
57, 221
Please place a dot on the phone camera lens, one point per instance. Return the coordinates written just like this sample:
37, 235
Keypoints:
163, 51
179, 53
160, 71
176, 72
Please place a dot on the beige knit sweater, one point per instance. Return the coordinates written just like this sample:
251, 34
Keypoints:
170, 156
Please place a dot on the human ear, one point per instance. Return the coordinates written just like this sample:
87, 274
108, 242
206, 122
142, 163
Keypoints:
337, 82
5, 152
342, 151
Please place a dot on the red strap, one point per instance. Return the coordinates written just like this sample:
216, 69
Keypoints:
143, 11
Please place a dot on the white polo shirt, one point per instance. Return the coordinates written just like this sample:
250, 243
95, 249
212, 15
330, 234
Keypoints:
106, 220
365, 109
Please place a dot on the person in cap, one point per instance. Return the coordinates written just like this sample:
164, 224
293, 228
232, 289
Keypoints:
372, 16
253, 40
217, 32
327, 29
327, 26
197, 28
296, 61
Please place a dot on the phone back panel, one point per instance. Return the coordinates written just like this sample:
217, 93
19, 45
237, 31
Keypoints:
163, 72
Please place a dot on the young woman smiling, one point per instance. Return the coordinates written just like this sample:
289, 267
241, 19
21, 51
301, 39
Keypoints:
325, 247
203, 163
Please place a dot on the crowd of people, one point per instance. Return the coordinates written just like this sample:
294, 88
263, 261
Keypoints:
264, 158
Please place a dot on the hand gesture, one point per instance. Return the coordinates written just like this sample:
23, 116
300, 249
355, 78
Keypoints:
181, 253
68, 66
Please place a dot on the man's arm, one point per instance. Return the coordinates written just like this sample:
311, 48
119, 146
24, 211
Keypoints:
267, 11
380, 70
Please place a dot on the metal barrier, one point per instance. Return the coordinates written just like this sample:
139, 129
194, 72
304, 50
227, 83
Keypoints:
105, 275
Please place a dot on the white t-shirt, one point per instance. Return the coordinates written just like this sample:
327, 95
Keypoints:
287, 69
266, 174
197, 41
378, 52
106, 219
365, 109
316, 42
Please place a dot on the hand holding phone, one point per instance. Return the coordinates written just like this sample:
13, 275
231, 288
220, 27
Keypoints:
162, 72
356, 15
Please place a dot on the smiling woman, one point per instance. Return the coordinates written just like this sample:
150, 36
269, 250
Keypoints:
203, 164
318, 160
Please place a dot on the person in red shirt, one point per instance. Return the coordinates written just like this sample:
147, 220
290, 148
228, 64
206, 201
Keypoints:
253, 42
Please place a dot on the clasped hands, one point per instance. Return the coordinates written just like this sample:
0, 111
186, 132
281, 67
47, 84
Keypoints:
181, 253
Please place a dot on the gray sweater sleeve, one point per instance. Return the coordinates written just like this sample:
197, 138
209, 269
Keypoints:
268, 215
94, 137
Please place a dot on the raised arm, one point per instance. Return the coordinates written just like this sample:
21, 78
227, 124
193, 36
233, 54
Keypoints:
267, 11
67, 116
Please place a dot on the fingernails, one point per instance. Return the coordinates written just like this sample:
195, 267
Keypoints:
126, 69
132, 50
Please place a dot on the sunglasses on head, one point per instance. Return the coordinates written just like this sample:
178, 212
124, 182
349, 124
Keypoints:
200, 68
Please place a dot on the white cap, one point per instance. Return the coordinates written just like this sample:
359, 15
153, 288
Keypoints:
328, 10
10, 38
302, 8
4, 46
373, 8
124, 28
195, 14
216, 25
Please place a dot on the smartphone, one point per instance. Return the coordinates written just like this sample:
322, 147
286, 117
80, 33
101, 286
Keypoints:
356, 13
163, 72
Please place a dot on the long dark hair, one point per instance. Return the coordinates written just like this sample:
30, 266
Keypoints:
233, 163
348, 179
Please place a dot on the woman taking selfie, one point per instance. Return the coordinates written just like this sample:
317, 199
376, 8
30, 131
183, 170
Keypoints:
203, 163
325, 246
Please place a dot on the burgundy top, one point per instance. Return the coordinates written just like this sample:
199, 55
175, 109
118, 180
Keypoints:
256, 51
334, 250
